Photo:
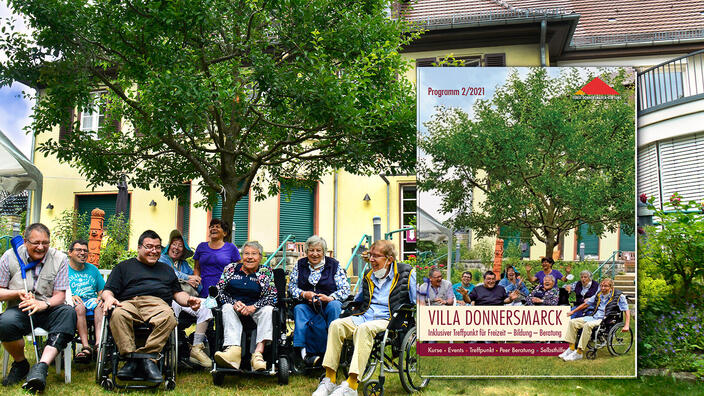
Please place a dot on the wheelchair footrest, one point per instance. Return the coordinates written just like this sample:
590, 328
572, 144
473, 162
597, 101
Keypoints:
135, 355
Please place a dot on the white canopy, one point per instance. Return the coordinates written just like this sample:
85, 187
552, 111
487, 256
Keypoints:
17, 173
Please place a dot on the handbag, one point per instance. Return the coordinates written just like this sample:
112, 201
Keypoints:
317, 331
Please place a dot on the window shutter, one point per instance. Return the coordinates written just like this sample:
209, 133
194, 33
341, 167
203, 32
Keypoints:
240, 223
494, 60
682, 166
591, 241
106, 202
648, 177
65, 128
296, 214
626, 243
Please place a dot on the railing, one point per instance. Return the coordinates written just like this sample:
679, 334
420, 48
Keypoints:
676, 81
612, 268
6, 239
282, 248
355, 253
390, 235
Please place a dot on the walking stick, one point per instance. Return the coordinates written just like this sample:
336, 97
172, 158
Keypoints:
16, 242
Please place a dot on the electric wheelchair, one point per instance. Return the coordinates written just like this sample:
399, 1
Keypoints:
393, 351
608, 334
109, 358
277, 353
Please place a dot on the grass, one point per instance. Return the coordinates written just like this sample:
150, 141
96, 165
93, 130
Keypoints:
191, 383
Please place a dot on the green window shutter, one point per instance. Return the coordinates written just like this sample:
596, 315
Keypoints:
296, 214
106, 202
240, 222
591, 241
513, 237
626, 243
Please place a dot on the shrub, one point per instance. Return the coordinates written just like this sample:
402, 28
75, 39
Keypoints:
69, 226
116, 234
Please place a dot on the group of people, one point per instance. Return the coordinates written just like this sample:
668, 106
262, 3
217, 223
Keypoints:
159, 284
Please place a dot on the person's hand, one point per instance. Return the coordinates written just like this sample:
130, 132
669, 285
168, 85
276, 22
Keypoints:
238, 306
308, 295
248, 310
438, 300
514, 295
537, 300
568, 288
570, 313
324, 298
77, 300
462, 291
460, 302
33, 305
23, 295
625, 329
110, 302
194, 303
193, 281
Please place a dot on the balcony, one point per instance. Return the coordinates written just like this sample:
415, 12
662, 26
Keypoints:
674, 82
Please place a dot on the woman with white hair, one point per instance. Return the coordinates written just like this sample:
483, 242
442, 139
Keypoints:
320, 284
583, 289
545, 294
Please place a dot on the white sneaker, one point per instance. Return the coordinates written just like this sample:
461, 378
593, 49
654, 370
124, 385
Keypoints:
344, 390
325, 388
574, 356
566, 353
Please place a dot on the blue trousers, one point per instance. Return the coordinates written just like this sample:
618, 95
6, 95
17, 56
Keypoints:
302, 314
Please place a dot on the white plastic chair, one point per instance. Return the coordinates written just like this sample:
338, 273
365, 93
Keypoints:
66, 354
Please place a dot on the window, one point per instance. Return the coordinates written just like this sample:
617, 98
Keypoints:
591, 241
296, 213
514, 238
240, 223
93, 118
408, 217
107, 202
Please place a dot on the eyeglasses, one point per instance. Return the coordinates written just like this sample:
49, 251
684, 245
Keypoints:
376, 256
80, 250
38, 243
152, 247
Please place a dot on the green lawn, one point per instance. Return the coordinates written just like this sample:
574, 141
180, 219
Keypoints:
200, 383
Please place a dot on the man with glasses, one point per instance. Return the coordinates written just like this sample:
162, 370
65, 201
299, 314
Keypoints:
141, 290
86, 285
44, 299
385, 287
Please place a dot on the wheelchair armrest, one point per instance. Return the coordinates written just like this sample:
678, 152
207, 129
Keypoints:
402, 314
349, 307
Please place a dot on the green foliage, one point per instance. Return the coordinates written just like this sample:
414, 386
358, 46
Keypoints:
125, 255
240, 94
674, 249
117, 234
672, 335
544, 161
69, 226
482, 250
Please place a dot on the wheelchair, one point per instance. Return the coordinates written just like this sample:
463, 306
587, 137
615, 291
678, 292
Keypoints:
400, 356
277, 353
608, 334
109, 358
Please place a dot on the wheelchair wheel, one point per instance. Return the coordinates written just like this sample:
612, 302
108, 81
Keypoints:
590, 354
218, 379
619, 342
173, 355
102, 356
282, 371
408, 364
107, 384
373, 388
372, 364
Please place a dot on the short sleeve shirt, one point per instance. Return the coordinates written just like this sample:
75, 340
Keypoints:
132, 278
212, 263
541, 275
87, 282
428, 293
483, 296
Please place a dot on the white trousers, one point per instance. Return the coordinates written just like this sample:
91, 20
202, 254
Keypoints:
203, 314
232, 325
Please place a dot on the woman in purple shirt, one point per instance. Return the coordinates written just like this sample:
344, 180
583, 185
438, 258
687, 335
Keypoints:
211, 257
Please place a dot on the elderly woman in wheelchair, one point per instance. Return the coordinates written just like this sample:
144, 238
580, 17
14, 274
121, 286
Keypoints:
608, 305
387, 286
244, 291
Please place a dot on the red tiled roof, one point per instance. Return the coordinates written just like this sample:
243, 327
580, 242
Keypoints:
600, 21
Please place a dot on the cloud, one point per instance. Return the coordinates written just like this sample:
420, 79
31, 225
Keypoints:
15, 115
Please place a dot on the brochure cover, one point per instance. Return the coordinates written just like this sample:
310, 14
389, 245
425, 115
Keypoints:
526, 222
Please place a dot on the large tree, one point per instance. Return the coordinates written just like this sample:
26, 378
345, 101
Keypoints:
238, 94
543, 162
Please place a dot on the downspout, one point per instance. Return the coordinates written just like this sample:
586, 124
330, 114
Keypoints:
334, 215
35, 197
388, 202
543, 32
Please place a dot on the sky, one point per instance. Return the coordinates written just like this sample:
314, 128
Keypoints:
457, 78
15, 109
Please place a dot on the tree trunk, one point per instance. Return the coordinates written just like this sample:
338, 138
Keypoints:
550, 242
228, 210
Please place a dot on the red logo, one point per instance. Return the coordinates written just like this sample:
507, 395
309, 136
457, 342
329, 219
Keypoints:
596, 87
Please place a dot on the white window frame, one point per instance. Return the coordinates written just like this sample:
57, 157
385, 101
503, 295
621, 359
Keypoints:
96, 115
404, 212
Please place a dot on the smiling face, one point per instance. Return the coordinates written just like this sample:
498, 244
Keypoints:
511, 274
176, 249
377, 259
436, 279
250, 259
466, 279
315, 254
490, 281
605, 287
149, 251
37, 244
216, 233
548, 283
547, 267
78, 254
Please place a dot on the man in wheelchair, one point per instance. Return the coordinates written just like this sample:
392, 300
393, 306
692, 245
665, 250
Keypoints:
141, 290
386, 286
244, 290
606, 302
